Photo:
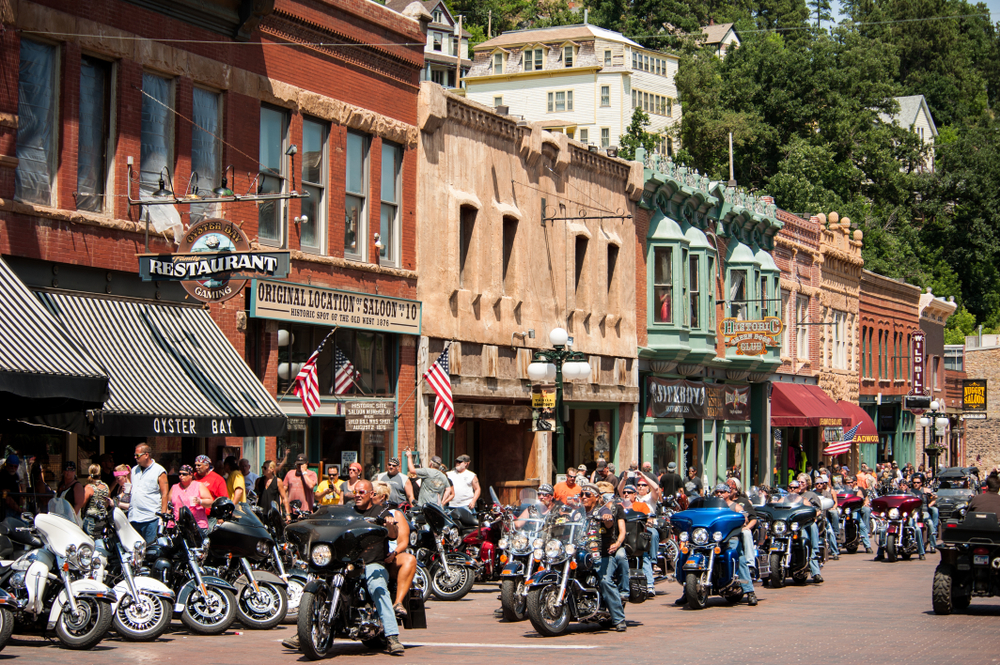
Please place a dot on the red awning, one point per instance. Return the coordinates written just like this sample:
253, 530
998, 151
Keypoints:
867, 433
798, 405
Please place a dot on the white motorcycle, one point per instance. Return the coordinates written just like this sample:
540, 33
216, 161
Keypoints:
143, 605
49, 588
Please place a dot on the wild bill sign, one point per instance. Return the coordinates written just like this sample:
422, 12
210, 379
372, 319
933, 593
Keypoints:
751, 337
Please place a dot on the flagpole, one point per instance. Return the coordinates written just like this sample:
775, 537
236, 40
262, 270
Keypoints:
400, 410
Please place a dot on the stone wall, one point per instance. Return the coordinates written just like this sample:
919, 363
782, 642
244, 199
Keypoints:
982, 437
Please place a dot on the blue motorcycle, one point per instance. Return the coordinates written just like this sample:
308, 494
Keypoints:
708, 563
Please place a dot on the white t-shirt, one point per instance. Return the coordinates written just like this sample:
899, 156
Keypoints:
463, 487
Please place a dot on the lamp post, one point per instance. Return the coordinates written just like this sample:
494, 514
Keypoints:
558, 364
937, 419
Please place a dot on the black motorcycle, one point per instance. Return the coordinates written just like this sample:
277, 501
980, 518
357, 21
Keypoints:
283, 561
788, 554
435, 539
337, 543
207, 603
238, 546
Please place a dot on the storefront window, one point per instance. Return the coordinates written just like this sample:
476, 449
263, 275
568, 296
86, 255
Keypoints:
365, 366
735, 454
664, 450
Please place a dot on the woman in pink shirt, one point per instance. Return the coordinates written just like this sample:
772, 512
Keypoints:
189, 492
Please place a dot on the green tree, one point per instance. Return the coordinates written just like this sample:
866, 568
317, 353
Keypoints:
960, 325
820, 10
636, 136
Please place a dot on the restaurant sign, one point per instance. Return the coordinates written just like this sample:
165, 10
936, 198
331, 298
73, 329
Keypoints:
696, 399
974, 394
751, 338
304, 303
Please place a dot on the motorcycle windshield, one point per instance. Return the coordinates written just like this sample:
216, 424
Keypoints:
787, 501
245, 515
566, 526
61, 508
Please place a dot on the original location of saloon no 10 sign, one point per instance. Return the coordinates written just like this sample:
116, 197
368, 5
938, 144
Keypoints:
213, 262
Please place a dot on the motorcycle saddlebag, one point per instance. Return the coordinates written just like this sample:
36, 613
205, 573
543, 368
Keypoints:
636, 538
416, 617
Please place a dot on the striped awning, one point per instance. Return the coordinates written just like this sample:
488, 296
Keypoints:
172, 371
41, 370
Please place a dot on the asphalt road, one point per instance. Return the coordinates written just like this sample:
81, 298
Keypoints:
866, 612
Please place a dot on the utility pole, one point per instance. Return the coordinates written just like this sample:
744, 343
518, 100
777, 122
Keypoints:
458, 54
732, 178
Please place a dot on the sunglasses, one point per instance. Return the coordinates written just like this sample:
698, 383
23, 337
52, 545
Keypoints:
590, 494
643, 485
360, 492
183, 473
545, 494
629, 492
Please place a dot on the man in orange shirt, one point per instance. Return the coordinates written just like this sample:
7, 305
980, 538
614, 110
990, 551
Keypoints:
566, 488
863, 477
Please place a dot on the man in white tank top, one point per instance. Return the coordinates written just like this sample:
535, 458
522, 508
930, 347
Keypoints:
466, 484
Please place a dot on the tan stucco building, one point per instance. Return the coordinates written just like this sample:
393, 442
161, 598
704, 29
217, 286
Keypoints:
504, 257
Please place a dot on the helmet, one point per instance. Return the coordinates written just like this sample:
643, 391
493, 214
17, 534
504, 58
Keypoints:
222, 508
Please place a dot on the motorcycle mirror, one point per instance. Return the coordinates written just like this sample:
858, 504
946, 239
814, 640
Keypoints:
27, 517
493, 495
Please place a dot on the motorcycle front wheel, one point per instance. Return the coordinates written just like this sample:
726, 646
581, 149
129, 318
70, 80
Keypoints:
264, 609
6, 626
512, 601
454, 586
890, 547
142, 620
777, 572
209, 615
294, 590
315, 623
546, 618
696, 592
88, 627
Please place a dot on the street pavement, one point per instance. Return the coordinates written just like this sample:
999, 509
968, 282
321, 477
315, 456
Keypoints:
866, 612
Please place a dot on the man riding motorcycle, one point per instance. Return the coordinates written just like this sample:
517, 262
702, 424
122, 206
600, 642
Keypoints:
611, 518
904, 488
801, 487
929, 500
864, 528
730, 492
831, 516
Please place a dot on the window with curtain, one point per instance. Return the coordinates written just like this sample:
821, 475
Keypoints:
271, 177
355, 201
663, 280
36, 134
392, 165
839, 340
93, 134
605, 137
312, 231
568, 52
694, 291
738, 294
156, 136
605, 95
206, 148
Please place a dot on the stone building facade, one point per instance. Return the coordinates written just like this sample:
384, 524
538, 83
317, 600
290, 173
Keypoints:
171, 90
523, 231
982, 437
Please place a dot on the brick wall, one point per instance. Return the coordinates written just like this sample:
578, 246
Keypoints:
982, 437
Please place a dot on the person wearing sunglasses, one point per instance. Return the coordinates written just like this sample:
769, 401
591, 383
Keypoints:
611, 520
396, 481
330, 492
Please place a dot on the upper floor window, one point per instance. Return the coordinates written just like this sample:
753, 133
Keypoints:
584, 135
738, 294
607, 57
438, 16
568, 53
312, 229
612, 264
509, 236
37, 140
498, 63
534, 59
94, 136
466, 229
694, 291
389, 231
437, 41
206, 151
663, 285
802, 327
157, 132
954, 358
839, 340
271, 178
561, 100
356, 198
785, 347
605, 137
605, 95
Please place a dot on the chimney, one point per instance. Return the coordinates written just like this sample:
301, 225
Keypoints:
586, 16
711, 21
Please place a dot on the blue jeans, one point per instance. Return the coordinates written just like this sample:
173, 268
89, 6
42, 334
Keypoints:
147, 530
610, 592
865, 527
378, 588
832, 530
812, 542
621, 565
650, 556
746, 582
934, 522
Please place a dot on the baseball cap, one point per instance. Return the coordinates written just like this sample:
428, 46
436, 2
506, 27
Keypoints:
545, 488
601, 464
463, 458
301, 459
582, 467
69, 466
672, 466
13, 460
394, 461
630, 488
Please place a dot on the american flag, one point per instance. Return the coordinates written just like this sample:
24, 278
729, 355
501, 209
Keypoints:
841, 447
307, 382
437, 376
345, 373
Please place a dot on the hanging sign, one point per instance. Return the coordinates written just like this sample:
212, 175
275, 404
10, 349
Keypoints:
973, 395
543, 403
917, 373
695, 399
751, 338
369, 416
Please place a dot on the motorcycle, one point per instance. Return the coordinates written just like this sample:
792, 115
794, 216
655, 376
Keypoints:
206, 603
450, 572
481, 543
239, 540
667, 556
337, 543
522, 536
566, 586
143, 606
895, 510
283, 561
49, 588
850, 505
708, 565
788, 553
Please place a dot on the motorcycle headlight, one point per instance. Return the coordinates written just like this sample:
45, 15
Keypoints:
683, 537
796, 526
520, 542
553, 548
717, 536
503, 543
263, 547
537, 544
413, 539
138, 553
780, 527
882, 515
571, 549
894, 513
321, 555
85, 557
699, 536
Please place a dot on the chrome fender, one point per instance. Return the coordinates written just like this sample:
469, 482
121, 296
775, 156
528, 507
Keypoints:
81, 589
153, 586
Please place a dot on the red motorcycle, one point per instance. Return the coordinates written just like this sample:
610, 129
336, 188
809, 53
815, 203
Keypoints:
899, 513
849, 505
481, 543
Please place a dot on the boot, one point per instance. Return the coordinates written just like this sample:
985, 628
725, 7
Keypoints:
683, 600
817, 579
291, 642
752, 599
393, 646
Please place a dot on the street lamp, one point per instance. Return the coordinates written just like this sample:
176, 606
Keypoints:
558, 364
936, 418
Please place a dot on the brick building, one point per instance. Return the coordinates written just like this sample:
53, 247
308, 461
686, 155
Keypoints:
102, 99
890, 315
934, 313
